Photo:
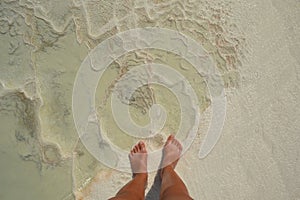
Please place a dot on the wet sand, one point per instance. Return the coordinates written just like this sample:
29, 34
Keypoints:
255, 46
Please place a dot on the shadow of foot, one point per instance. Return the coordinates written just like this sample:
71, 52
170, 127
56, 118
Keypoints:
154, 191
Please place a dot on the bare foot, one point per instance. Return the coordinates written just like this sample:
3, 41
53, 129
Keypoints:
171, 152
138, 158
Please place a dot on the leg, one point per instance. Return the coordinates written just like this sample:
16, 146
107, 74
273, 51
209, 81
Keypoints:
172, 187
135, 189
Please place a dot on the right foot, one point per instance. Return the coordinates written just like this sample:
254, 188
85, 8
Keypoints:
171, 152
138, 159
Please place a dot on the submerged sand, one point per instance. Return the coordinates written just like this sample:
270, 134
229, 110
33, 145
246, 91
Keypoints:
255, 46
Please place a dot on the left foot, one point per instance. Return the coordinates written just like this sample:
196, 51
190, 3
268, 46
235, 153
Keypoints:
138, 159
171, 154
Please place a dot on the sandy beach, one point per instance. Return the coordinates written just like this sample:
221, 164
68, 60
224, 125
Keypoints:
254, 46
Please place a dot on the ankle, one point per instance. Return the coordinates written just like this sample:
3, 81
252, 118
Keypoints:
166, 169
140, 175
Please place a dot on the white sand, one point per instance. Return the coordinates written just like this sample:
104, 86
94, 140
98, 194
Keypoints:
258, 154
255, 44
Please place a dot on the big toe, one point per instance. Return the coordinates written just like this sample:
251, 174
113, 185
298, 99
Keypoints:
170, 139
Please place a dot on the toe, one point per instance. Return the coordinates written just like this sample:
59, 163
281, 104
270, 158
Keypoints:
177, 143
180, 146
140, 147
143, 146
134, 149
170, 139
174, 141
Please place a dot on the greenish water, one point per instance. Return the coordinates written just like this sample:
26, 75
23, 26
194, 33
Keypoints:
42, 46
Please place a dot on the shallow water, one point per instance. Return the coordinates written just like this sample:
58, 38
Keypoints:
254, 46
